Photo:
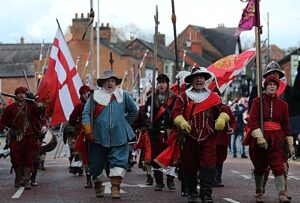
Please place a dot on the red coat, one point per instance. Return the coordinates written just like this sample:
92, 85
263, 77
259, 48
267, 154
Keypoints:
14, 119
223, 137
76, 121
279, 115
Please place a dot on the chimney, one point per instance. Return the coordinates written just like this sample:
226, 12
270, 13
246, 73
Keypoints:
105, 32
196, 43
78, 27
22, 40
161, 39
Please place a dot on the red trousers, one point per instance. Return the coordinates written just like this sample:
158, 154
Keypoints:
196, 155
23, 153
221, 154
262, 159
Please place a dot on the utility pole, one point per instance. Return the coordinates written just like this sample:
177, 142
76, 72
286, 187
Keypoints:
268, 47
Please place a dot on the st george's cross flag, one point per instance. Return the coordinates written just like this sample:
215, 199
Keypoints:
59, 87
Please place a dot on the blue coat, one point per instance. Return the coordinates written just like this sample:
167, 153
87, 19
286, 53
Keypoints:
111, 126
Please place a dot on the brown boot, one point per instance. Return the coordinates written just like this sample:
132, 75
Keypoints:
259, 196
280, 186
283, 197
27, 175
18, 178
115, 187
259, 180
99, 189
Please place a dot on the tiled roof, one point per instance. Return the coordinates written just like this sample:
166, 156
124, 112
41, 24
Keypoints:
14, 58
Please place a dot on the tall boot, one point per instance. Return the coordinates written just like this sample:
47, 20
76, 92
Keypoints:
266, 177
149, 180
18, 178
99, 189
33, 177
259, 181
89, 183
158, 175
218, 176
191, 185
170, 182
206, 176
115, 187
27, 174
280, 186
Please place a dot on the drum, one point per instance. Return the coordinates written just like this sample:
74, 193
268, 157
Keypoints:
49, 142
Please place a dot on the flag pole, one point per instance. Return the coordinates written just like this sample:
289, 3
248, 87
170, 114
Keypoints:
258, 31
98, 39
154, 63
177, 68
92, 43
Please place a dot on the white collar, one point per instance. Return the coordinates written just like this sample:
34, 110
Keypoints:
103, 98
198, 96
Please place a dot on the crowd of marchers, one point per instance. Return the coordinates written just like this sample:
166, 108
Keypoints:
185, 133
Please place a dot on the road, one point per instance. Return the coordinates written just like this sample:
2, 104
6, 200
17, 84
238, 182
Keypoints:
57, 185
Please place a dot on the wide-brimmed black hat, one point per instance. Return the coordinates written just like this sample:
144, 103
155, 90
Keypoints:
106, 75
198, 71
272, 67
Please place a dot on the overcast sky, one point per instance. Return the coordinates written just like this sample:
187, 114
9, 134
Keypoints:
35, 20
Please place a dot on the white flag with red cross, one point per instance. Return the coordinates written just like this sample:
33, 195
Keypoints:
59, 88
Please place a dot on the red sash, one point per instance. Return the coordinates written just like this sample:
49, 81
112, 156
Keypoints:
162, 109
268, 125
212, 100
100, 107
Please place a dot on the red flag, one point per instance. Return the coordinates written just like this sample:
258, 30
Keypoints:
229, 67
59, 88
250, 17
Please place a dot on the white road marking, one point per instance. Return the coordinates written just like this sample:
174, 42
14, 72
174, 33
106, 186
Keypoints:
294, 177
107, 186
246, 176
18, 193
230, 200
233, 171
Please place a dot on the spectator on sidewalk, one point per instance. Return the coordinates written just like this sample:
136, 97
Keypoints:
238, 110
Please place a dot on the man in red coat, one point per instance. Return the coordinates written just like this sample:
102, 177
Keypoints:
222, 142
25, 122
80, 149
158, 129
270, 147
198, 111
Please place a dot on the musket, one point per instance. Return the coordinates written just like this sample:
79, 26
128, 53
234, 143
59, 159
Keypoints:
138, 71
26, 80
123, 79
154, 63
14, 96
175, 43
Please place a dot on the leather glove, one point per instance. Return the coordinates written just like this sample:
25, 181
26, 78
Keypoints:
182, 124
87, 128
220, 124
225, 116
90, 137
290, 141
260, 140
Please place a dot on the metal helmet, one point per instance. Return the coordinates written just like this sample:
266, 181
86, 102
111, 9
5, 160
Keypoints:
273, 65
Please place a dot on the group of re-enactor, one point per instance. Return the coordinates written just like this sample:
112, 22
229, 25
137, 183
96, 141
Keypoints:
184, 134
